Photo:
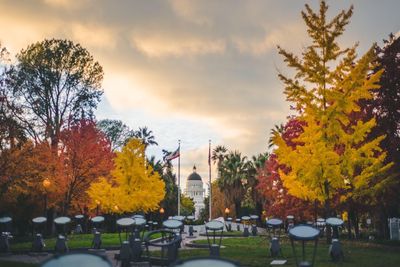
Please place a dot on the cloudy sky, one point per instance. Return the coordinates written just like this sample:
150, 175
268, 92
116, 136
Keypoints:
190, 70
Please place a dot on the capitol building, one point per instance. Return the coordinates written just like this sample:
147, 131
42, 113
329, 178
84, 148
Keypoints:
195, 190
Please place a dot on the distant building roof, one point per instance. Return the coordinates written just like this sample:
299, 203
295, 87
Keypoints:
194, 176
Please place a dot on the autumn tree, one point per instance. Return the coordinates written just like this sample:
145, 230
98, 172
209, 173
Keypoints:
384, 107
54, 81
86, 155
332, 153
24, 168
134, 186
220, 202
277, 201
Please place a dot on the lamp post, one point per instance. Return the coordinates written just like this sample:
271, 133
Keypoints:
162, 211
228, 219
227, 213
46, 184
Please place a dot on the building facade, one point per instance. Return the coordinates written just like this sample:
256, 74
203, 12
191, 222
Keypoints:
195, 190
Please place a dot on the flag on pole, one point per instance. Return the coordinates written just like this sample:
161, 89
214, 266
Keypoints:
172, 155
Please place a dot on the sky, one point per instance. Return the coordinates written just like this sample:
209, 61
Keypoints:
191, 70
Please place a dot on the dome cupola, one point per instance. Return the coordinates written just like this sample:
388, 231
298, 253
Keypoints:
194, 176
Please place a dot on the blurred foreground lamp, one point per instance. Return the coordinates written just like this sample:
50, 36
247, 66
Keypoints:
302, 234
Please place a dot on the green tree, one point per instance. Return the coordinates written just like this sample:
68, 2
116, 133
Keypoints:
54, 81
187, 206
253, 197
117, 132
170, 201
332, 153
233, 180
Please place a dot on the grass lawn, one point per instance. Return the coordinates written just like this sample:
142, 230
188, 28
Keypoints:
74, 242
254, 251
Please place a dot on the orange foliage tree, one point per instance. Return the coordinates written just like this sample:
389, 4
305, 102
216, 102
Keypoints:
24, 168
220, 203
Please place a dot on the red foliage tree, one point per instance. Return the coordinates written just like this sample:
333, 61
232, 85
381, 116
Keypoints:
277, 201
86, 155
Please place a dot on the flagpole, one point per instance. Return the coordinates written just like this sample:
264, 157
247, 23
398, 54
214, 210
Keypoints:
179, 178
209, 176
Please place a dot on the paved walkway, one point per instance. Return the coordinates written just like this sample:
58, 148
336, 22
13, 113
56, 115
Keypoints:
38, 258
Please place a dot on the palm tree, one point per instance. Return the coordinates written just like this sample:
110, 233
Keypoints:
146, 136
254, 167
156, 165
259, 160
218, 155
233, 180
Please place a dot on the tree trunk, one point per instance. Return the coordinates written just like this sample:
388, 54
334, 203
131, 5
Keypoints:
382, 225
237, 208
349, 232
327, 206
356, 227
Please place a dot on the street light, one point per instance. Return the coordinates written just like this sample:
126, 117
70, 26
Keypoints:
162, 211
46, 184
227, 212
228, 219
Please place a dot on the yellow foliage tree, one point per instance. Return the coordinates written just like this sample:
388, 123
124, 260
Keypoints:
134, 185
332, 154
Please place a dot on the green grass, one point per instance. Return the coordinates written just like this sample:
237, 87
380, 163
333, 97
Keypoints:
254, 251
229, 234
74, 242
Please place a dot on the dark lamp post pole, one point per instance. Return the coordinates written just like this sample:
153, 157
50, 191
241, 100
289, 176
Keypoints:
46, 184
162, 211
